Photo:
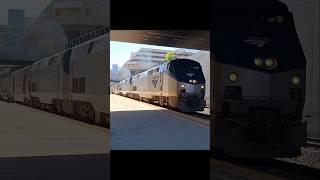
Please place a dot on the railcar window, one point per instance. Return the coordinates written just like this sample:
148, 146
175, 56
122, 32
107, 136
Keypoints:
66, 60
156, 70
24, 84
13, 84
271, 19
280, 19
90, 47
134, 88
274, 19
195, 67
150, 72
75, 85
82, 85
52, 60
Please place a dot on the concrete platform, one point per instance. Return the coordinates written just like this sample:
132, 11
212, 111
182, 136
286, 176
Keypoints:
25, 132
67, 167
137, 125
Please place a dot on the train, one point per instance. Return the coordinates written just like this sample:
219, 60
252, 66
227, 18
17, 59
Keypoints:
259, 77
72, 82
177, 84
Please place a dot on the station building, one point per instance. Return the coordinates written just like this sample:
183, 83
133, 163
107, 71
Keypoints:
62, 21
146, 58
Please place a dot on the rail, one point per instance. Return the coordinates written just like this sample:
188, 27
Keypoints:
313, 142
87, 37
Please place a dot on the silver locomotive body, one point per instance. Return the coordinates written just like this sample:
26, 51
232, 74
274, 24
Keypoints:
259, 81
22, 85
178, 84
260, 113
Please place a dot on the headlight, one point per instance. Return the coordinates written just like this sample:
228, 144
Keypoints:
295, 79
258, 61
182, 85
194, 81
270, 62
233, 77
190, 81
202, 87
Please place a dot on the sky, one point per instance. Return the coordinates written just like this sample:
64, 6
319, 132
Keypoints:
32, 8
120, 52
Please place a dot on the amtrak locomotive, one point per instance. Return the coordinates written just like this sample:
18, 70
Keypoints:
178, 84
71, 82
259, 81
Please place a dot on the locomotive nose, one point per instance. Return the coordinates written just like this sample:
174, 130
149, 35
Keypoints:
191, 96
187, 89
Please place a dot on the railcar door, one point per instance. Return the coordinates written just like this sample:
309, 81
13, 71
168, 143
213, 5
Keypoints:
161, 80
24, 84
13, 82
58, 76
66, 81
130, 89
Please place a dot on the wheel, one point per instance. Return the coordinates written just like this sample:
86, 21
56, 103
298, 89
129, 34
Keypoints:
52, 108
91, 115
161, 101
59, 107
43, 106
76, 110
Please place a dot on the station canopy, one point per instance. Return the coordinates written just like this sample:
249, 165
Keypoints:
189, 39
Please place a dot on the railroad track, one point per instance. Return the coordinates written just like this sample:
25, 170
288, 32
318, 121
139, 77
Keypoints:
313, 142
313, 139
275, 167
199, 115
194, 114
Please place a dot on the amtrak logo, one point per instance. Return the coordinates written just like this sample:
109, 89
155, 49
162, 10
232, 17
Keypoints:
155, 82
190, 74
259, 42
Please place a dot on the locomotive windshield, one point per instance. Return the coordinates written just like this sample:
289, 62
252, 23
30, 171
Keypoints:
257, 31
185, 70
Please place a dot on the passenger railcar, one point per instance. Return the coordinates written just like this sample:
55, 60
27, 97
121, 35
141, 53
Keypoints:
259, 82
6, 83
21, 85
72, 82
179, 84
